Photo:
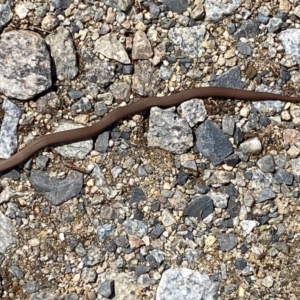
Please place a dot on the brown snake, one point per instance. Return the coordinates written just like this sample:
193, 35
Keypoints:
75, 135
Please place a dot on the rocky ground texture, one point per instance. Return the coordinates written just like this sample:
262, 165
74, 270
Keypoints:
199, 201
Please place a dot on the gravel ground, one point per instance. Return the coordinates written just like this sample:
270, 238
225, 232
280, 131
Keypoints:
195, 202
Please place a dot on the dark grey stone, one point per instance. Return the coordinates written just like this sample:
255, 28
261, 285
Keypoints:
137, 196
94, 256
240, 263
17, 271
57, 191
107, 289
121, 241
141, 269
232, 78
232, 160
244, 48
82, 105
248, 29
227, 223
178, 6
266, 163
157, 231
75, 94
101, 143
32, 287
238, 136
227, 241
265, 194
61, 4
199, 208
212, 142
281, 176
182, 177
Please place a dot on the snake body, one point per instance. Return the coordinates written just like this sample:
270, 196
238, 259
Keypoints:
75, 135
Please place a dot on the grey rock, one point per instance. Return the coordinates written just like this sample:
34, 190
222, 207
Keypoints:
109, 213
232, 160
17, 271
217, 10
189, 39
240, 263
157, 231
167, 23
251, 146
193, 255
169, 131
186, 284
121, 241
244, 48
120, 91
104, 29
116, 171
219, 199
178, 6
111, 47
80, 250
7, 233
290, 39
97, 71
101, 183
266, 163
248, 225
137, 196
165, 73
295, 163
141, 269
8, 133
141, 46
63, 4
193, 111
100, 109
248, 29
32, 287
107, 289
104, 231
5, 13
101, 143
199, 208
282, 176
271, 107
274, 24
63, 53
136, 227
120, 17
212, 142
82, 105
75, 94
228, 125
262, 18
232, 78
145, 80
227, 241
94, 256
265, 194
24, 59
57, 191
158, 256
154, 11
